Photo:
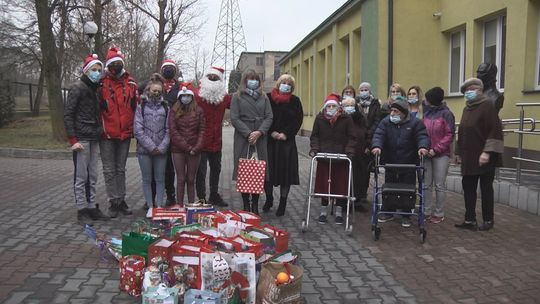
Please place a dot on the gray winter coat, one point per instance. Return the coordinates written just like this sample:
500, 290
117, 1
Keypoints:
152, 130
248, 115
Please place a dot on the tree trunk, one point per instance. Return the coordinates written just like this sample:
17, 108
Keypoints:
39, 95
51, 69
161, 34
98, 38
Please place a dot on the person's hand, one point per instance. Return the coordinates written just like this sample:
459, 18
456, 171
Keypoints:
431, 153
155, 151
282, 136
253, 136
484, 158
367, 151
191, 152
312, 153
275, 135
457, 159
77, 147
376, 151
422, 152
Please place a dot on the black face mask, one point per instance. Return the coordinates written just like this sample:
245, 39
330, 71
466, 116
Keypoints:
115, 69
169, 73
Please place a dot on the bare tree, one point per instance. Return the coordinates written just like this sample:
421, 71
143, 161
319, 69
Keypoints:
197, 62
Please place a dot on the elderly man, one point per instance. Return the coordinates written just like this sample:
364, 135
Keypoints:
400, 139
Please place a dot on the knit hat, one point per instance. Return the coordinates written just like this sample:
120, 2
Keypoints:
401, 105
365, 85
167, 62
185, 91
89, 61
469, 82
114, 54
435, 96
333, 98
216, 71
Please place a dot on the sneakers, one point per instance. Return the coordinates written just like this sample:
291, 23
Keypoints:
83, 215
468, 225
405, 222
124, 209
487, 225
436, 219
323, 219
216, 200
383, 218
114, 209
339, 220
96, 214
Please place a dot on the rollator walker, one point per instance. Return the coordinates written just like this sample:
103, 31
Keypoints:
331, 197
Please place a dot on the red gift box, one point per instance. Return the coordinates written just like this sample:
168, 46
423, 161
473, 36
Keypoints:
281, 237
196, 236
132, 274
160, 248
169, 214
250, 218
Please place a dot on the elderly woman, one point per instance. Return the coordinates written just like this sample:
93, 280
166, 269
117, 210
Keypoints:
282, 151
479, 148
251, 117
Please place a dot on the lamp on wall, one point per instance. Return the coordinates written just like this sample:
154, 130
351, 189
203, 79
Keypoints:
437, 15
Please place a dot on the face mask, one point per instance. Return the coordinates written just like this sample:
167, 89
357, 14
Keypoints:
94, 76
156, 95
185, 99
252, 84
168, 73
412, 100
470, 95
331, 112
395, 118
116, 70
364, 94
284, 88
349, 109
347, 96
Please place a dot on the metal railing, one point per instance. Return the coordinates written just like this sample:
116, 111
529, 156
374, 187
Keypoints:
521, 132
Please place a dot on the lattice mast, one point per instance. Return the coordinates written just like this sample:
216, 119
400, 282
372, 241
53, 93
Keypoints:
230, 41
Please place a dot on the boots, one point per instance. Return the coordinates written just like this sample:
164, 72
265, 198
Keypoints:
281, 208
269, 203
123, 208
255, 206
114, 209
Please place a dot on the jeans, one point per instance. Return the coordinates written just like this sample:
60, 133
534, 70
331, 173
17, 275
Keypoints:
153, 165
436, 170
85, 177
185, 166
114, 153
470, 184
214, 159
169, 179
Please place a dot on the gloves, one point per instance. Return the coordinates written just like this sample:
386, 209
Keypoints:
312, 153
103, 105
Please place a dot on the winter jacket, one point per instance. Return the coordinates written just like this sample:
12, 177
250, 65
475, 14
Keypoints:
337, 138
399, 143
152, 130
81, 112
480, 130
360, 131
171, 96
118, 100
187, 131
440, 126
373, 116
213, 114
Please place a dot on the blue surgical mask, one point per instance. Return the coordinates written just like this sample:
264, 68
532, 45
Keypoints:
470, 95
284, 88
331, 112
394, 97
94, 76
364, 94
395, 118
347, 96
186, 99
412, 100
349, 109
252, 84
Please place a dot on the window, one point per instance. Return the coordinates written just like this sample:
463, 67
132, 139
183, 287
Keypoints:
494, 46
457, 61
537, 77
259, 60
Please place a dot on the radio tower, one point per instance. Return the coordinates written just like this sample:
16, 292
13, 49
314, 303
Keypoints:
230, 40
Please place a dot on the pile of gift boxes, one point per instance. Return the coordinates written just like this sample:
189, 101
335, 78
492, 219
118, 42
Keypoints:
200, 255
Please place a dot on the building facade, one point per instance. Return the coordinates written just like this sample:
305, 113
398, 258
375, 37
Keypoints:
266, 64
427, 43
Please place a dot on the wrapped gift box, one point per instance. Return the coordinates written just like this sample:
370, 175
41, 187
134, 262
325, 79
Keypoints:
131, 274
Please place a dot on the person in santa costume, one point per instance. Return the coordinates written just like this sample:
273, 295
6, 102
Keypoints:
83, 127
213, 100
118, 101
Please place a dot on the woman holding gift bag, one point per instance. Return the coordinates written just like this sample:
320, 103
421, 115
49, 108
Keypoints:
251, 117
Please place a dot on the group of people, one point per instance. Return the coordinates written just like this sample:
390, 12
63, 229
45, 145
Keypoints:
178, 128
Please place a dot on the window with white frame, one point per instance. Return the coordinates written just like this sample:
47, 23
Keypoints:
494, 50
457, 61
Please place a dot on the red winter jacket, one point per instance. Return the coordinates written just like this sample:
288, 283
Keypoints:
187, 131
213, 114
118, 101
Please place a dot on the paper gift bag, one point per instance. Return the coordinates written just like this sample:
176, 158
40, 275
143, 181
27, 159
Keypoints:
195, 296
185, 260
250, 176
131, 274
250, 218
178, 214
249, 246
261, 236
271, 292
232, 228
179, 229
160, 248
160, 294
193, 211
134, 243
281, 237
229, 215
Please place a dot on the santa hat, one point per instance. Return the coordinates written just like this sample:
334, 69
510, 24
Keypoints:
114, 54
185, 91
333, 98
216, 71
167, 62
89, 61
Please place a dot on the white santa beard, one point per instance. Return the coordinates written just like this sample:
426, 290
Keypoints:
212, 91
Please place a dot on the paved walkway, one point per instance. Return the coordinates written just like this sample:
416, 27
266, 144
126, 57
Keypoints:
46, 258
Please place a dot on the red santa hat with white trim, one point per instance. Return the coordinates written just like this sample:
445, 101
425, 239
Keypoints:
167, 62
333, 98
89, 61
216, 71
114, 54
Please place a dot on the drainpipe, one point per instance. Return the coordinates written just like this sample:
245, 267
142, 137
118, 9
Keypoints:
390, 72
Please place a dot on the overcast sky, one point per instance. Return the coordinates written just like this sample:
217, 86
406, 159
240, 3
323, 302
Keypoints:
272, 25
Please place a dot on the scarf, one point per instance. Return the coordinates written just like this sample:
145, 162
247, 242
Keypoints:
332, 119
168, 85
253, 93
278, 97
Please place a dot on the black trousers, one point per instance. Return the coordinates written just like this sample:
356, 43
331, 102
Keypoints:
470, 185
214, 160
361, 175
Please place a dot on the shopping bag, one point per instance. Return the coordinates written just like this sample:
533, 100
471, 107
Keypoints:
195, 296
134, 243
257, 235
269, 291
160, 294
131, 274
281, 237
160, 248
250, 176
249, 217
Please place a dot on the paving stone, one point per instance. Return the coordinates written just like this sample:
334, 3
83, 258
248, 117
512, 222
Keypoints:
18, 297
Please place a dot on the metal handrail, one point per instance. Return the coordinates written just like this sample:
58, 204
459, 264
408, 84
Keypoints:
520, 132
513, 121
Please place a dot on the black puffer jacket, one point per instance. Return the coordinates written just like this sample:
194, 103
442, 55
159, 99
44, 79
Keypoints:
81, 112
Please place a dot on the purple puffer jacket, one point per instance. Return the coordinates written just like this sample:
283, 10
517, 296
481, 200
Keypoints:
440, 125
152, 131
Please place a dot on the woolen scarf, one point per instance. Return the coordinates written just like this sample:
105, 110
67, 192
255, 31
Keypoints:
278, 97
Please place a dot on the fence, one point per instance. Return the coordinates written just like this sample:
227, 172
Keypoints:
521, 133
24, 94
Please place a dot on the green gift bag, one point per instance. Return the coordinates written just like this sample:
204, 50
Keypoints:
134, 243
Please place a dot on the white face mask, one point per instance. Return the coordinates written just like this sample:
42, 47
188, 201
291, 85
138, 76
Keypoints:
186, 99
